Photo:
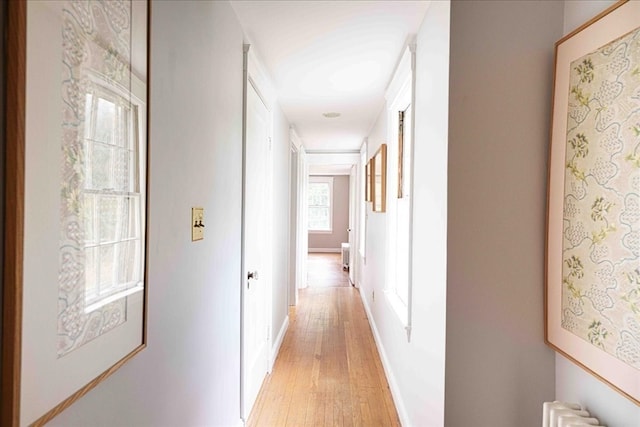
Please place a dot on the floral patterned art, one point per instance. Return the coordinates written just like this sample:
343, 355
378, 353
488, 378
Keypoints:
601, 223
96, 41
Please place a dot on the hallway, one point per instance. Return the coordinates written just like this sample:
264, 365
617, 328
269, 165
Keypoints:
328, 371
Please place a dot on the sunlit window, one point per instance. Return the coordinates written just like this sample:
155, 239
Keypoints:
403, 206
320, 195
399, 181
111, 198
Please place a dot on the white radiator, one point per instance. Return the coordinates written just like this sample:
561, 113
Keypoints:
563, 414
345, 256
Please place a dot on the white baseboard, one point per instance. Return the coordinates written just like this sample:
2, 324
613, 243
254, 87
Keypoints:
278, 343
325, 250
393, 385
240, 423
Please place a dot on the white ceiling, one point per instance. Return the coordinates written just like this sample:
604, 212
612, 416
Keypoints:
330, 56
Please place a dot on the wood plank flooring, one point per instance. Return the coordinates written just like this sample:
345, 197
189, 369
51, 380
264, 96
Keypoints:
328, 372
325, 270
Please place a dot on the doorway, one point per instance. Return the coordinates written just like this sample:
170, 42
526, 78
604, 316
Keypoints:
256, 238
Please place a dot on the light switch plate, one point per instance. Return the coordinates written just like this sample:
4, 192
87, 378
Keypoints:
197, 224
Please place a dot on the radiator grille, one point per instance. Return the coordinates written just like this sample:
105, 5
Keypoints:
345, 256
565, 414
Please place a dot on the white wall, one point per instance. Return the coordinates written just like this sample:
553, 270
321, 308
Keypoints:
501, 78
190, 373
340, 223
415, 369
578, 12
373, 267
280, 229
572, 382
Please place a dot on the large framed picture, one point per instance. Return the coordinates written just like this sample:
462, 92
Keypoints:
593, 230
74, 296
379, 179
367, 181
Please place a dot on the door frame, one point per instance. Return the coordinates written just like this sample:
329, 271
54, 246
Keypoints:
292, 252
254, 75
298, 225
353, 223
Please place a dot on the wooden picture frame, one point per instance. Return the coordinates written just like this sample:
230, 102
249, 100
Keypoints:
592, 284
75, 280
367, 181
379, 178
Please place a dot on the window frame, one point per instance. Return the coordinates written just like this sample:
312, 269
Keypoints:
108, 90
402, 202
400, 96
321, 180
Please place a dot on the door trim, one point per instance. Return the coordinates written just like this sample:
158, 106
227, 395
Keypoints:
254, 75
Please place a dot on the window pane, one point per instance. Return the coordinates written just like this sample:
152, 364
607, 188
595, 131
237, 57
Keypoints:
105, 124
131, 218
91, 273
89, 206
319, 218
100, 167
124, 137
128, 263
122, 166
109, 213
107, 270
318, 194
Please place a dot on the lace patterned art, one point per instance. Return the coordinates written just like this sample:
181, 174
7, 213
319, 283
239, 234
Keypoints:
79, 143
592, 288
601, 259
100, 236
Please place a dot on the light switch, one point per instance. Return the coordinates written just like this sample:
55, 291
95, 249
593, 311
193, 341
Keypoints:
197, 224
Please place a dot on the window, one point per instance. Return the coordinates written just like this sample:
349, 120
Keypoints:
320, 198
399, 202
111, 198
403, 205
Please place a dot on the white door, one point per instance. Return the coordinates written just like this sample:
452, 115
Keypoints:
293, 226
352, 225
255, 337
303, 218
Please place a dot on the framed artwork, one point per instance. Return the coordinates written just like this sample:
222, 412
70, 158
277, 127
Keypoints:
379, 185
367, 181
74, 297
592, 290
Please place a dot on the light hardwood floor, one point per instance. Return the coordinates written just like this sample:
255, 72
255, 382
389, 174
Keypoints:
328, 372
325, 270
